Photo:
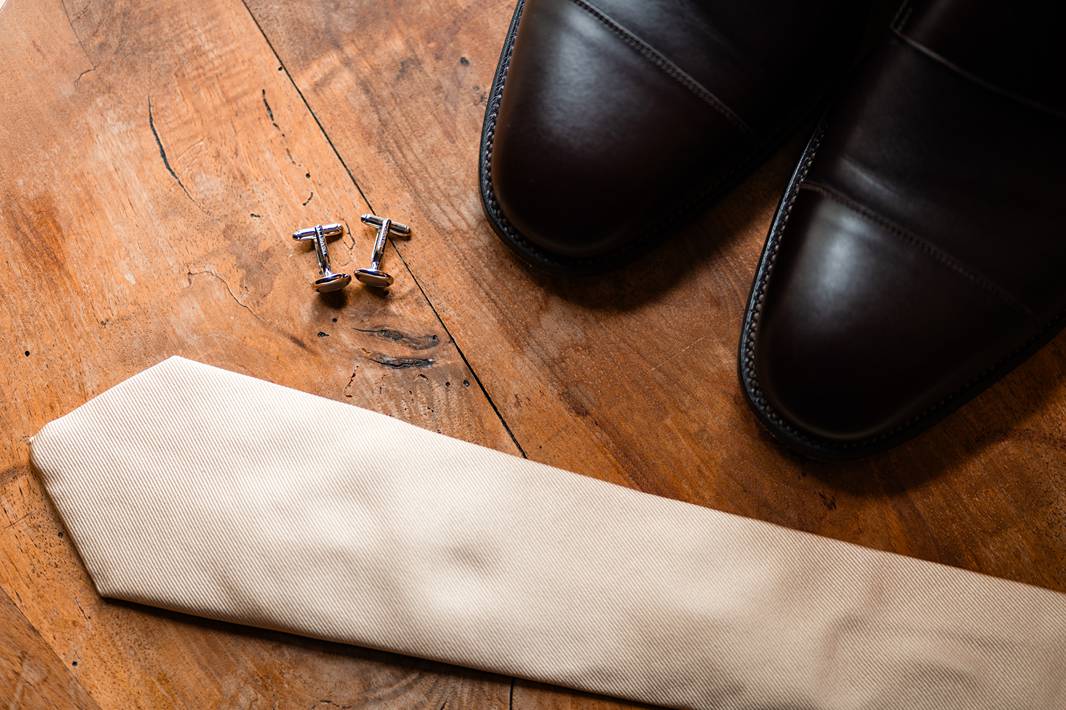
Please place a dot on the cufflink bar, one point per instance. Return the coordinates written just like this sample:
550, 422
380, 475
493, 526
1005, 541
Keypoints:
318, 235
372, 275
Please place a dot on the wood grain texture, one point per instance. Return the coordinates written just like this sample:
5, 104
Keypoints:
31, 675
632, 377
153, 161
154, 158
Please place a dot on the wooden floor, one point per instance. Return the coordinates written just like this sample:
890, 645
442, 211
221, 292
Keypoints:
154, 158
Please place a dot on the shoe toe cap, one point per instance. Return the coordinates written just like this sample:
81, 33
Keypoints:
590, 139
863, 330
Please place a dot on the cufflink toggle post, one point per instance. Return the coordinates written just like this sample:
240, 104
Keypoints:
373, 275
318, 234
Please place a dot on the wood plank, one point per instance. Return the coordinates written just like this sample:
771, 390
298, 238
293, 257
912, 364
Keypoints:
153, 161
632, 377
31, 675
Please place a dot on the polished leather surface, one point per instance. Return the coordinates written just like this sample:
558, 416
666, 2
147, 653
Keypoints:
616, 114
924, 250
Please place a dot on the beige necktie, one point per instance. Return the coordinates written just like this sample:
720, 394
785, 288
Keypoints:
211, 493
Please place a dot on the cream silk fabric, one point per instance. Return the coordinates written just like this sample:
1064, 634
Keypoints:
207, 492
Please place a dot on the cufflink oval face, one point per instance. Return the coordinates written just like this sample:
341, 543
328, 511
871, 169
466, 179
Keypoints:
375, 278
332, 282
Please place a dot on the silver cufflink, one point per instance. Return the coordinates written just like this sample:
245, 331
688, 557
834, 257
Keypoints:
329, 281
373, 275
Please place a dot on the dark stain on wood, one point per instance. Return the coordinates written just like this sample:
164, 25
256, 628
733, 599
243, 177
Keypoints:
415, 342
269, 110
398, 363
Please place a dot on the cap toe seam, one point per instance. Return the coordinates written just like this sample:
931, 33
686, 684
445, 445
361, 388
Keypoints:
664, 64
921, 244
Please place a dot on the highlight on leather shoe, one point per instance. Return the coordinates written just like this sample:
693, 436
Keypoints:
918, 253
612, 120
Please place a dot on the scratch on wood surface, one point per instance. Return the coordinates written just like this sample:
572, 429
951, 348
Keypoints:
163, 152
348, 231
191, 146
208, 272
77, 38
294, 339
166, 162
678, 354
84, 630
269, 111
81, 74
16, 521
85, 615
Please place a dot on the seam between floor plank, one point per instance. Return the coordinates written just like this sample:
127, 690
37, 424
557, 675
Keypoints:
370, 206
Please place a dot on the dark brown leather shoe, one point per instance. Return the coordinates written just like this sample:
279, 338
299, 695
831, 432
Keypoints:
610, 120
919, 251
